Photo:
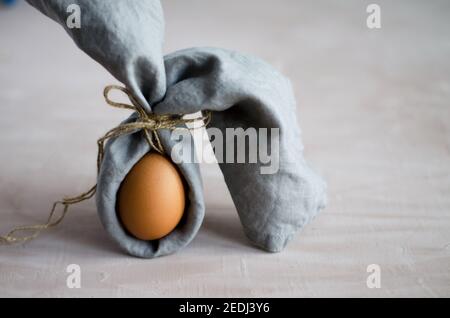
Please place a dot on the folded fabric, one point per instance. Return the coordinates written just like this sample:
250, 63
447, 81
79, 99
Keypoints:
126, 36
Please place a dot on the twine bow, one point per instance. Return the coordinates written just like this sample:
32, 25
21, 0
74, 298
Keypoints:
149, 124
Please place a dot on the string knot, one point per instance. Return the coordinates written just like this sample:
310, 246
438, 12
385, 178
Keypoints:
149, 123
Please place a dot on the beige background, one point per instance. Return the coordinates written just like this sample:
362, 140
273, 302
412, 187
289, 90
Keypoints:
375, 114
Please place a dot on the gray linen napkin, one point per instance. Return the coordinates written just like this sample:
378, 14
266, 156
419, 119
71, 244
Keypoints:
126, 36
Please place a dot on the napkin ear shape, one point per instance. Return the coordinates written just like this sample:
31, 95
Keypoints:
245, 92
124, 36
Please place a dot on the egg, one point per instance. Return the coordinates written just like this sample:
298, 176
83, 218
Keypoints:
151, 198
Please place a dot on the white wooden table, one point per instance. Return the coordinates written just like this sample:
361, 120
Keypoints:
375, 112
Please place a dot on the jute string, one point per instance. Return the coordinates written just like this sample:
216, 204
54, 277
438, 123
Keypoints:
149, 124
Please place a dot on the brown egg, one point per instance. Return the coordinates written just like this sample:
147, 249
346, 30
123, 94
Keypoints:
151, 199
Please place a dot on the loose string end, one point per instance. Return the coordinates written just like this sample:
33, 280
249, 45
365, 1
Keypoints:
148, 123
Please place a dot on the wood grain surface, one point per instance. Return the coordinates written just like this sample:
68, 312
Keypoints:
375, 115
